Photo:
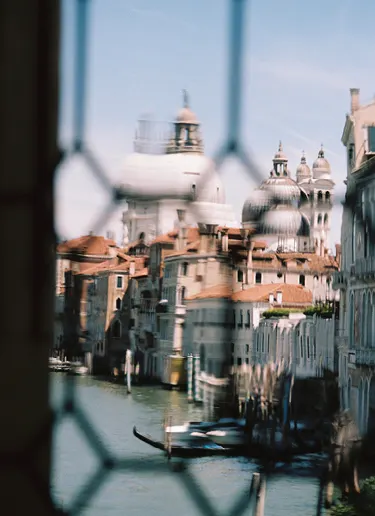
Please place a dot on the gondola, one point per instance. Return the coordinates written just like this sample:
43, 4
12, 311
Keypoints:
210, 449
206, 449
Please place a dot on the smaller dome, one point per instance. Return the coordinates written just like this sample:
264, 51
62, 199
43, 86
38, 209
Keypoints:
303, 170
321, 165
280, 156
186, 116
284, 221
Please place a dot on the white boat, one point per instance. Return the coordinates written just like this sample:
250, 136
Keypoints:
228, 437
79, 369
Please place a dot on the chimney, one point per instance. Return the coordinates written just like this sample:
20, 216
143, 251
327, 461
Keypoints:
338, 254
110, 235
279, 297
208, 234
250, 261
322, 248
354, 99
224, 240
271, 298
132, 268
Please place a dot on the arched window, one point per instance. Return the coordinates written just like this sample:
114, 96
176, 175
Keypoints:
302, 280
326, 218
320, 196
116, 330
319, 220
328, 196
240, 276
118, 303
258, 277
240, 324
185, 268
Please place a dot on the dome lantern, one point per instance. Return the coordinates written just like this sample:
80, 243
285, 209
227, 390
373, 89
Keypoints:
321, 167
303, 170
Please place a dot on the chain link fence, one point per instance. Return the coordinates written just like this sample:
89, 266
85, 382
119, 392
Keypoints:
233, 146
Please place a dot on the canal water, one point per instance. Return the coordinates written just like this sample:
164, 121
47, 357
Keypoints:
113, 414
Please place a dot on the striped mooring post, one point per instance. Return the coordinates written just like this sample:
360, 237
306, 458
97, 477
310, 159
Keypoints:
197, 374
190, 378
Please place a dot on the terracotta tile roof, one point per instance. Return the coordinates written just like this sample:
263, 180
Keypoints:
304, 261
215, 292
295, 295
170, 237
143, 272
115, 264
259, 244
88, 244
291, 294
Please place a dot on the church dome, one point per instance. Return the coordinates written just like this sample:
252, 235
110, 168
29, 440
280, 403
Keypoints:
280, 156
186, 116
282, 189
175, 176
284, 221
257, 202
321, 166
303, 171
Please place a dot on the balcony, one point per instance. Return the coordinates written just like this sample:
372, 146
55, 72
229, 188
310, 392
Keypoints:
340, 280
362, 356
365, 267
180, 309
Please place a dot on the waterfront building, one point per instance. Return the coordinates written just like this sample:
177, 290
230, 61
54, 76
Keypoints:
76, 255
356, 279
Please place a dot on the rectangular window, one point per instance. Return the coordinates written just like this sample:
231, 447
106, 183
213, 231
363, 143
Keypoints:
119, 282
371, 139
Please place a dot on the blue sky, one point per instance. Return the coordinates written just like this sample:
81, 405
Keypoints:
300, 59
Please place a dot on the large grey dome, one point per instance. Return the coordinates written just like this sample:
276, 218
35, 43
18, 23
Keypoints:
284, 221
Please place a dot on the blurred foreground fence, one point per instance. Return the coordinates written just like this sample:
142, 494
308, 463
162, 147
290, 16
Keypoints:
29, 97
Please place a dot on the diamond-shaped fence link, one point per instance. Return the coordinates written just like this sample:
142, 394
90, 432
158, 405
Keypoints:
233, 146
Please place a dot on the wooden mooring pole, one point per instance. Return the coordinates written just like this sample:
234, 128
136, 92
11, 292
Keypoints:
128, 367
258, 493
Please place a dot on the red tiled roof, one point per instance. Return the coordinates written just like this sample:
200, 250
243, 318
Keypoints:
141, 273
291, 294
223, 291
88, 245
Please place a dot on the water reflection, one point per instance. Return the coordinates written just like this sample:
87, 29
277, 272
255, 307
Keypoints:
113, 413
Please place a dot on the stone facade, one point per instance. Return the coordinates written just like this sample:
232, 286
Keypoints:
356, 279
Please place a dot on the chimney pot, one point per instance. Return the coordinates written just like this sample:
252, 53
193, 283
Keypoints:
354, 99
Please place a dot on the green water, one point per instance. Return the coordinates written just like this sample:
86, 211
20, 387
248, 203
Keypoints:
113, 413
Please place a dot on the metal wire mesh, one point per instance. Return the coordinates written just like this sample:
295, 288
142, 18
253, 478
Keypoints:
232, 146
